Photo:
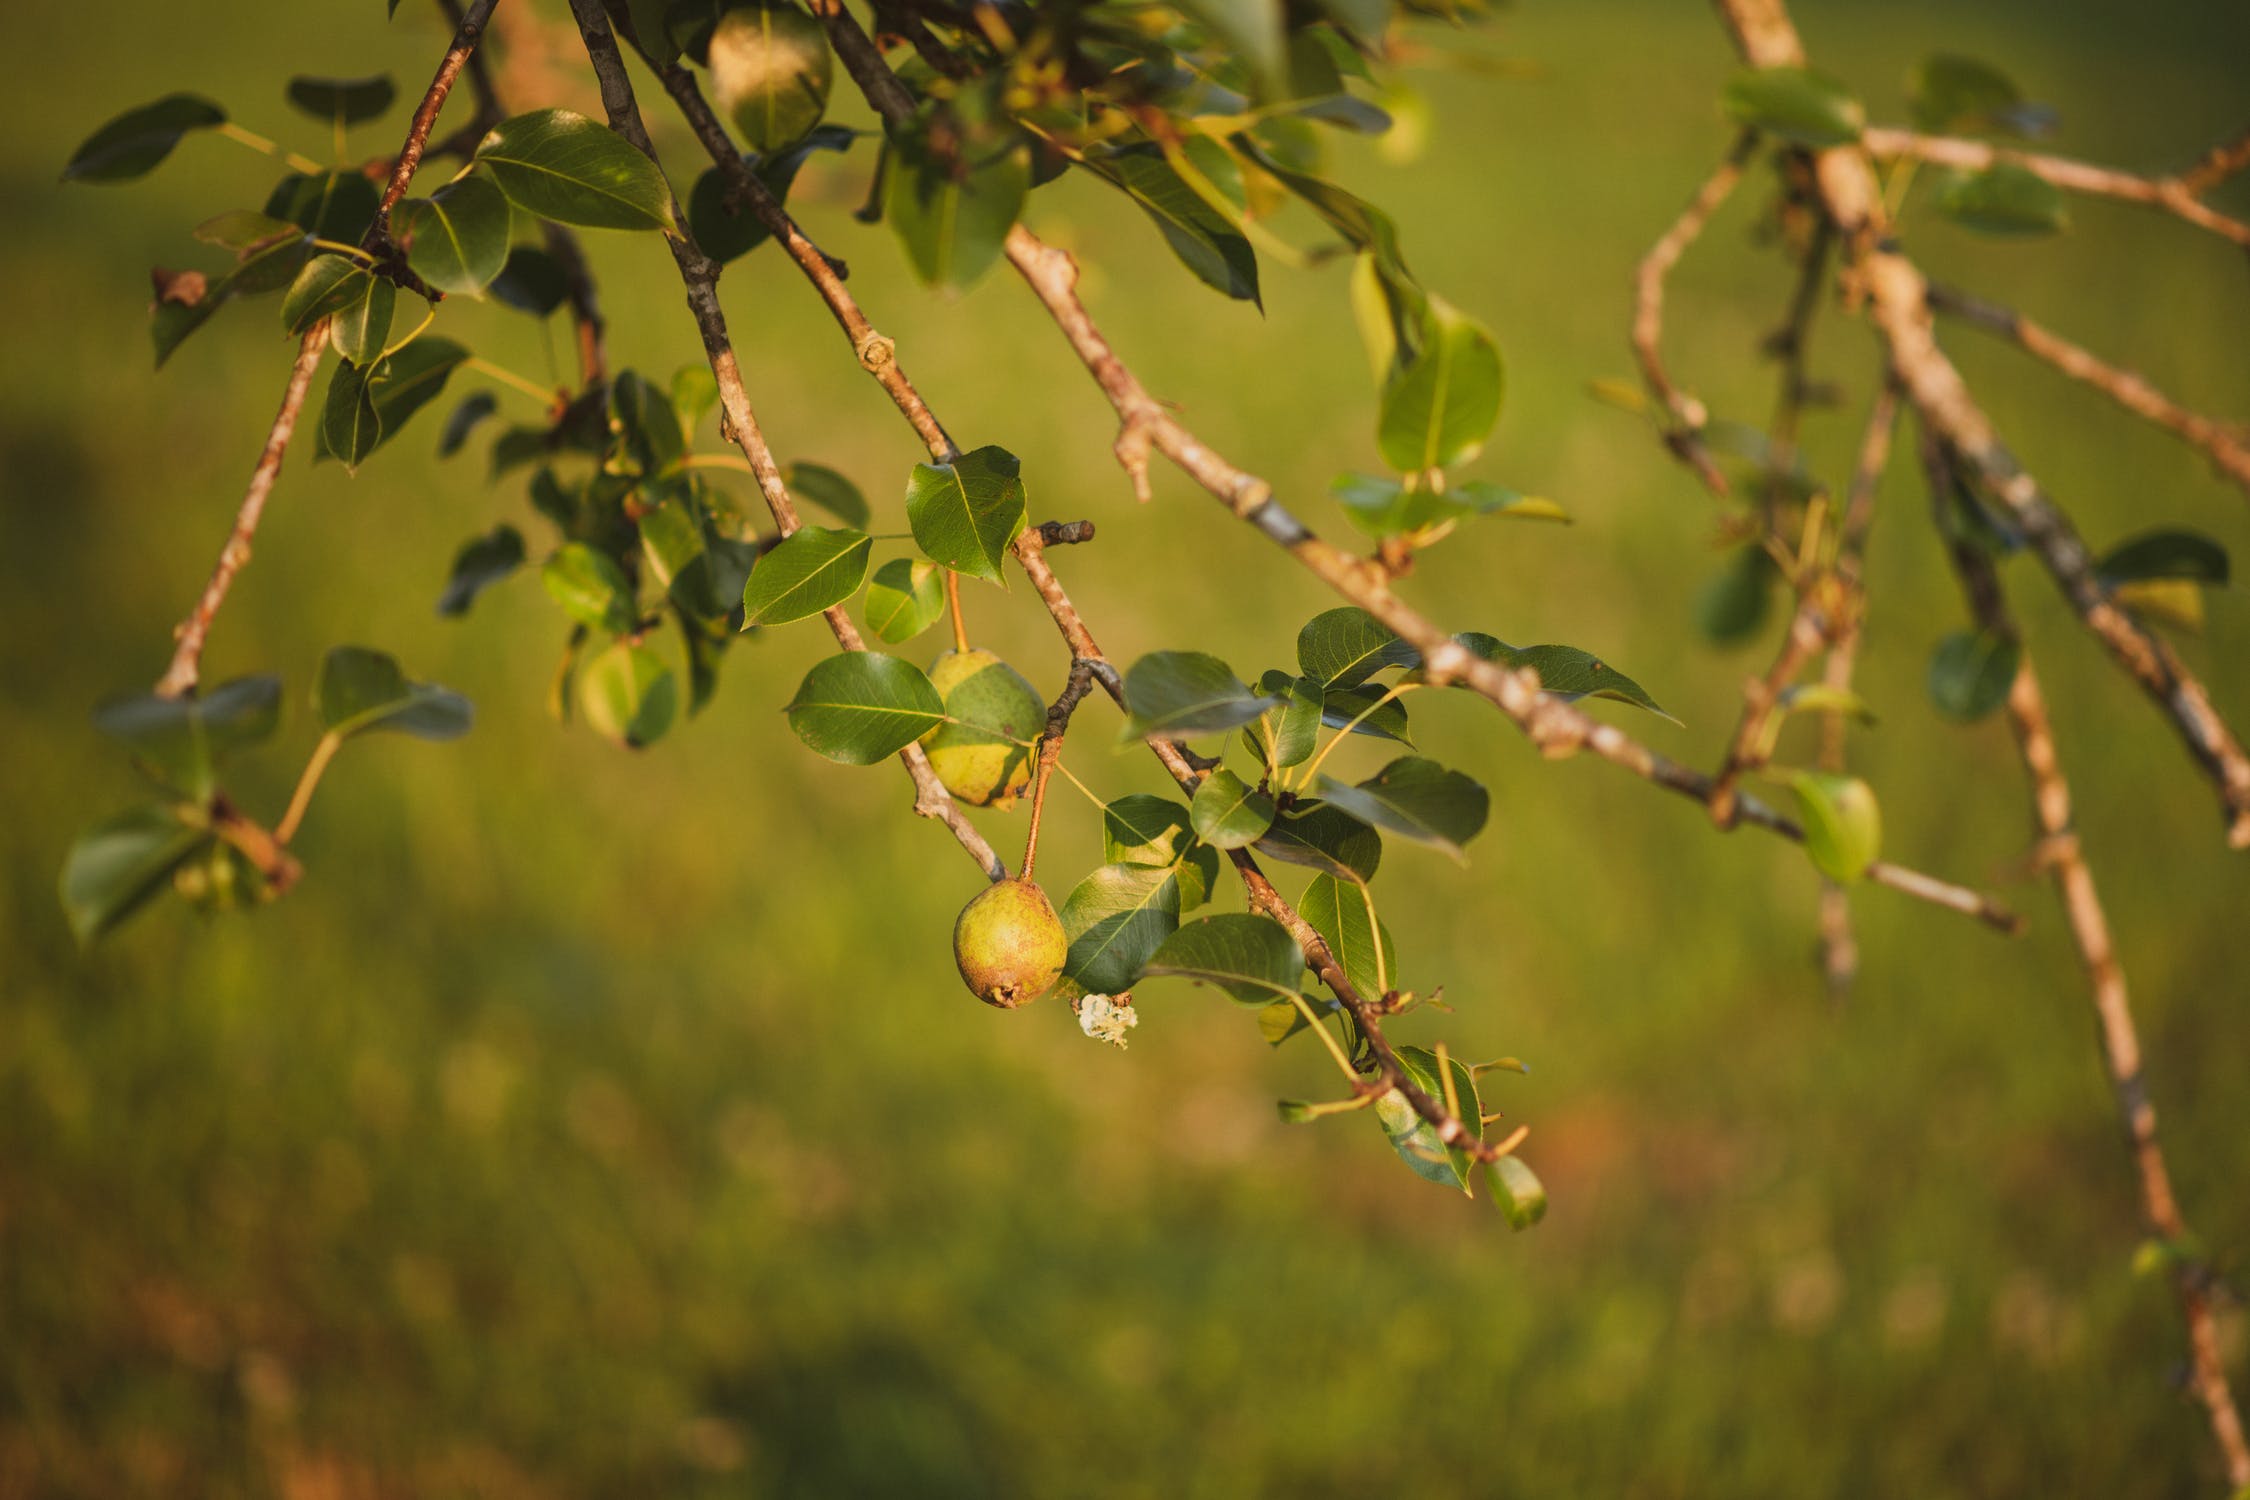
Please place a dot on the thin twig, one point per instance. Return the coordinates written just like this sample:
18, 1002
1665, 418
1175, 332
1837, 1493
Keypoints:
2225, 447
2065, 860
2170, 194
2216, 165
1684, 435
700, 275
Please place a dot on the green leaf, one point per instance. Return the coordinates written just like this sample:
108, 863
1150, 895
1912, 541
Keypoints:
358, 328
481, 562
1799, 106
591, 588
327, 285
629, 695
363, 690
1203, 239
1170, 695
650, 424
1971, 672
1732, 603
1286, 736
1251, 957
565, 167
334, 205
1416, 1139
953, 217
2004, 199
905, 599
474, 408
1517, 1190
350, 423
240, 230
1139, 829
136, 141
1386, 508
1251, 30
863, 706
1326, 838
1951, 95
457, 238
1439, 406
405, 382
812, 569
1230, 813
1343, 913
115, 866
770, 72
1368, 709
1843, 825
2186, 555
531, 281
1566, 671
726, 230
965, 513
1418, 799
1343, 647
832, 492
349, 101
180, 741
1116, 919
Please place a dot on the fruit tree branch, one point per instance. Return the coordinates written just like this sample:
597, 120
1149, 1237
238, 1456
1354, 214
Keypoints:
1684, 437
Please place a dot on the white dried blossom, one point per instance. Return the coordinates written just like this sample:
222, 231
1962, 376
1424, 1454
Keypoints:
1107, 1020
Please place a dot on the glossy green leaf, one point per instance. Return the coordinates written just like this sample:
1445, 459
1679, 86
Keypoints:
240, 230
1326, 838
135, 142
1418, 799
358, 328
337, 205
814, 567
591, 588
1797, 105
1139, 829
1843, 824
1229, 813
362, 691
1517, 1190
115, 866
965, 513
1367, 709
350, 423
1286, 736
770, 72
457, 238
643, 414
531, 281
481, 562
952, 218
906, 598
1343, 647
1566, 671
1116, 919
1439, 406
180, 741
350, 101
725, 229
1416, 1139
1202, 237
1386, 507
863, 706
1971, 672
1251, 957
628, 695
473, 408
406, 381
1951, 95
1343, 913
1170, 695
841, 498
2003, 199
2186, 555
325, 286
563, 166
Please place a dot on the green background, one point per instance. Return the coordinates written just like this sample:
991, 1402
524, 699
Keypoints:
598, 1124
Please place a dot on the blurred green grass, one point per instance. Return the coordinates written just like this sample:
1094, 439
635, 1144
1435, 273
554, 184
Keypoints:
592, 1125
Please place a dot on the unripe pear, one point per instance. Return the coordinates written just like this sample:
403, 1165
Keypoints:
983, 754
770, 73
1009, 943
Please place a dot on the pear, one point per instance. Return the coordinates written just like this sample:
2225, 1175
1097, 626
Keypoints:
983, 755
770, 73
1009, 943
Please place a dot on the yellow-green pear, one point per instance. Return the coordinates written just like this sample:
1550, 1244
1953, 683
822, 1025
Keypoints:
983, 753
1009, 944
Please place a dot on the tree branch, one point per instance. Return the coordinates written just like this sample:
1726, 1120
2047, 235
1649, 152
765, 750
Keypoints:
2173, 195
2224, 447
699, 274
1684, 436
2120, 1039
